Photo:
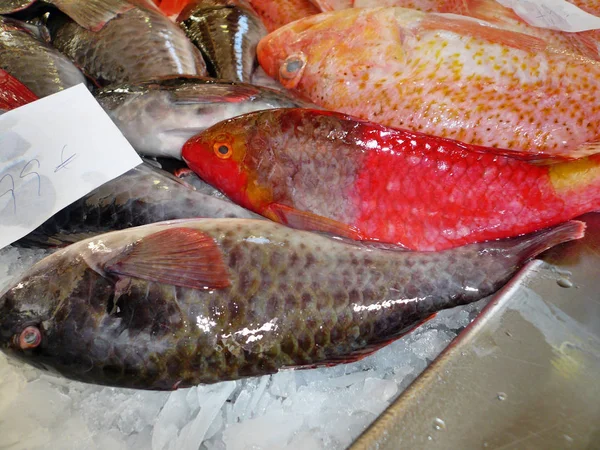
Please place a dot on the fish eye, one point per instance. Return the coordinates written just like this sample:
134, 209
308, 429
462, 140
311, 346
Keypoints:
30, 337
223, 150
291, 70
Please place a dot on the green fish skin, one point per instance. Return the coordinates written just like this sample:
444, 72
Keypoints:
181, 303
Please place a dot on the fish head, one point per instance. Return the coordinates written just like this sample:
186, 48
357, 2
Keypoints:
26, 309
44, 317
313, 54
293, 51
229, 155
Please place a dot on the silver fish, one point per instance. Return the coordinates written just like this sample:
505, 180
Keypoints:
90, 14
227, 32
111, 55
158, 117
34, 63
141, 196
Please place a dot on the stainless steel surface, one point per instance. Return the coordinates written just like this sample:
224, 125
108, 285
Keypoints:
524, 375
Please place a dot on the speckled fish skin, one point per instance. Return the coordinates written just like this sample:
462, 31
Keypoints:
141, 196
227, 32
34, 63
585, 43
277, 13
159, 116
377, 183
294, 299
109, 55
450, 76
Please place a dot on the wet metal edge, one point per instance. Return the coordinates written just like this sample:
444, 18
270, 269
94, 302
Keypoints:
524, 375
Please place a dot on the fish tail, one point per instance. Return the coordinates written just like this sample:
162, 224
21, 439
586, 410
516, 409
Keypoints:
535, 243
577, 183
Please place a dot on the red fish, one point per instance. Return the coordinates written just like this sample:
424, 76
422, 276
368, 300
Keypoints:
277, 13
443, 74
13, 93
585, 43
330, 172
171, 8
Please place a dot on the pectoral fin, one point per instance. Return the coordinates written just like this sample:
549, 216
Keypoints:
305, 220
179, 256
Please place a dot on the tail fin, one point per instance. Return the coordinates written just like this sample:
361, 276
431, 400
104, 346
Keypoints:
535, 243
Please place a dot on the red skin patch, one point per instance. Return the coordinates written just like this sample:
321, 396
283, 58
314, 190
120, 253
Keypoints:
13, 93
447, 196
419, 191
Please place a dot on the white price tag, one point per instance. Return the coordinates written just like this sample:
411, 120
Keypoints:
53, 152
554, 14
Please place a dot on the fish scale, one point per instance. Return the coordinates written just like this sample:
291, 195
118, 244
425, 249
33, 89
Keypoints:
585, 43
34, 63
442, 74
276, 13
111, 56
294, 299
227, 32
140, 196
307, 168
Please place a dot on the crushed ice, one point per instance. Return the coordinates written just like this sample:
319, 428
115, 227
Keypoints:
304, 409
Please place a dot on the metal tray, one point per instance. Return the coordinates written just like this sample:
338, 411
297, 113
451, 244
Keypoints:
524, 375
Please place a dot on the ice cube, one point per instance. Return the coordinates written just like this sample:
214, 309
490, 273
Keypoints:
110, 439
305, 440
283, 383
273, 430
211, 399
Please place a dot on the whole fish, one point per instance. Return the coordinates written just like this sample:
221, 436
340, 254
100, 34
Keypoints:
584, 43
110, 55
172, 305
90, 14
13, 93
442, 74
227, 32
277, 13
34, 63
158, 117
141, 196
326, 171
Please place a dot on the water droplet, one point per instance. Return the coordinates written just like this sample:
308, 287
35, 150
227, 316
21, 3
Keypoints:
564, 283
439, 424
501, 396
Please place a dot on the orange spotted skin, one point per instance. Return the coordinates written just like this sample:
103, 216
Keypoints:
585, 43
277, 13
407, 188
408, 69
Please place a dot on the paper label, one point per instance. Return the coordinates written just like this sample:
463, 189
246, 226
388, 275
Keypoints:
53, 152
554, 14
